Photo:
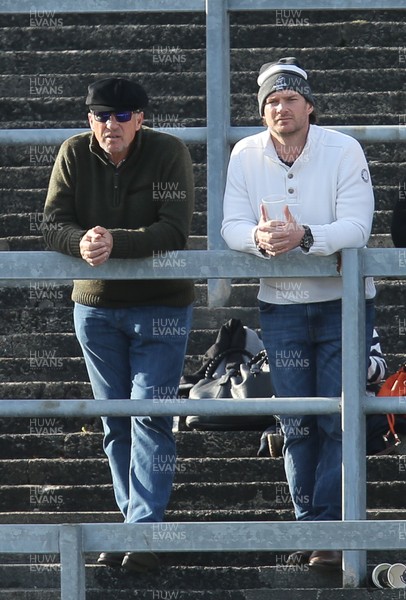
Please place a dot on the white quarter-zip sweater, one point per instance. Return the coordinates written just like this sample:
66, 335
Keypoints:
328, 187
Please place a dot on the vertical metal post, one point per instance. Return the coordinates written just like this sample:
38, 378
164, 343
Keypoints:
218, 123
73, 583
353, 416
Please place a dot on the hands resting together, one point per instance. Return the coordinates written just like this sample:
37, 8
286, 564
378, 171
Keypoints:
277, 237
96, 246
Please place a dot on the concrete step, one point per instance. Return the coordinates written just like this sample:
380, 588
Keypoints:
175, 59
213, 515
314, 35
320, 16
83, 470
46, 390
75, 84
43, 365
93, 37
333, 58
56, 441
176, 577
235, 582
84, 444
100, 18
44, 562
237, 17
199, 496
49, 425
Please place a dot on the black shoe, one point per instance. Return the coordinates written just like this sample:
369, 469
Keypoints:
140, 562
326, 559
300, 557
111, 559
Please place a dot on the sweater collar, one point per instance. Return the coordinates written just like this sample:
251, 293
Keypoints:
132, 155
269, 148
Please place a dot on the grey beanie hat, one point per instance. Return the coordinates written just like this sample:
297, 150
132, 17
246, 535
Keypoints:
285, 74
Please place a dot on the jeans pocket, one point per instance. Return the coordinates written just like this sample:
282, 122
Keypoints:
266, 307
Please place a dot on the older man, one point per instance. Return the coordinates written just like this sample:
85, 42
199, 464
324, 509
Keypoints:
322, 181
126, 191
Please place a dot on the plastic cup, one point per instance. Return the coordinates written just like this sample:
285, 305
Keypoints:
379, 575
397, 576
274, 205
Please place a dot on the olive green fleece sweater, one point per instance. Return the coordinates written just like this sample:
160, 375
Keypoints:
146, 204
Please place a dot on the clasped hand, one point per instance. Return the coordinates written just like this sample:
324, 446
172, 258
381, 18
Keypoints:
278, 237
96, 246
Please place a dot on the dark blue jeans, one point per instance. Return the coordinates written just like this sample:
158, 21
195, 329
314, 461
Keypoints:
136, 353
303, 342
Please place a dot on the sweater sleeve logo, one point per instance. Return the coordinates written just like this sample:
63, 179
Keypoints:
365, 175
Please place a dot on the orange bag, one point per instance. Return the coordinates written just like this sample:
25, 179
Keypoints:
395, 385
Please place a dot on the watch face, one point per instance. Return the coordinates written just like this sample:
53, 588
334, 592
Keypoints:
307, 240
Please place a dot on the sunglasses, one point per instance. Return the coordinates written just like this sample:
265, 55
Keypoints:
121, 117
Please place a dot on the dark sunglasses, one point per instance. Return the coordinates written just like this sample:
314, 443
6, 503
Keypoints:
121, 117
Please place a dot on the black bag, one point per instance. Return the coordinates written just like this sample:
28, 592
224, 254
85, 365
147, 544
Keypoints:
239, 381
234, 341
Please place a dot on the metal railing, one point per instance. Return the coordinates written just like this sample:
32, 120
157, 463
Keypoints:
353, 534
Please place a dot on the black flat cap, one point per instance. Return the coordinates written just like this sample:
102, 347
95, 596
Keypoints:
116, 93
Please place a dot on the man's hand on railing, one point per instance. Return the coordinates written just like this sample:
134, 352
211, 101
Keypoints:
96, 246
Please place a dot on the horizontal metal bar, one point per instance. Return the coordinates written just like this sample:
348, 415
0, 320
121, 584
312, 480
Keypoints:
384, 404
95, 6
185, 407
226, 536
190, 264
169, 406
41, 539
245, 536
54, 137
315, 4
390, 262
363, 133
198, 135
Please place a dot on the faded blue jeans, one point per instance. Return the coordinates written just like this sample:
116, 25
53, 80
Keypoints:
303, 342
136, 353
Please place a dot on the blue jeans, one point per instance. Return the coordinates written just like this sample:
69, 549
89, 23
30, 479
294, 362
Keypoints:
136, 353
303, 342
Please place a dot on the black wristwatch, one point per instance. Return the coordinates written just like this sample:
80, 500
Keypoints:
307, 240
